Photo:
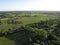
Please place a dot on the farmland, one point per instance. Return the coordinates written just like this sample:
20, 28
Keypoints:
29, 28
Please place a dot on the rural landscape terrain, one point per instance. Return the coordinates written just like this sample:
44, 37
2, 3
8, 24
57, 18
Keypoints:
30, 28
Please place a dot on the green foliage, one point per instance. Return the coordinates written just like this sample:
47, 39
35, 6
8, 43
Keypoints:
42, 32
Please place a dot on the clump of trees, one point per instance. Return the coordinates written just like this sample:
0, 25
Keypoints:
0, 22
12, 21
42, 33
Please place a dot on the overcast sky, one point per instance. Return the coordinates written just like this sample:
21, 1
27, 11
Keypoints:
23, 5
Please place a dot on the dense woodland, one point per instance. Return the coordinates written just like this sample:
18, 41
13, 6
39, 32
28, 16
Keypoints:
29, 28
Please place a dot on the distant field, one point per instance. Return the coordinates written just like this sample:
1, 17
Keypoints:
25, 20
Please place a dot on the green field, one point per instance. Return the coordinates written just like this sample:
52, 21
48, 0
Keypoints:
24, 20
11, 40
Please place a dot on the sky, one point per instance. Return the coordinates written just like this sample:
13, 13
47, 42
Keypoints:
29, 5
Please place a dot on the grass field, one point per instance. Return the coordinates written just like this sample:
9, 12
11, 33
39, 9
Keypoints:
25, 20
5, 41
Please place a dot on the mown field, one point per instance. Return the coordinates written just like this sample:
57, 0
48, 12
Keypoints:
21, 37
